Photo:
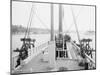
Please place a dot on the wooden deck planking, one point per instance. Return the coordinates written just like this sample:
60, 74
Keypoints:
36, 64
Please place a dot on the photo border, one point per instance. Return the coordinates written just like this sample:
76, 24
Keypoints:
51, 3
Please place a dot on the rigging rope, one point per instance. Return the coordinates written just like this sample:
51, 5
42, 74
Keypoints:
30, 22
30, 19
72, 22
41, 20
75, 25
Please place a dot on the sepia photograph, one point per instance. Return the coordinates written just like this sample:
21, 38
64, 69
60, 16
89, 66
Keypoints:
52, 37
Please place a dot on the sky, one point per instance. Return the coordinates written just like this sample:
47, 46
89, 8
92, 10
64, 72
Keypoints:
84, 16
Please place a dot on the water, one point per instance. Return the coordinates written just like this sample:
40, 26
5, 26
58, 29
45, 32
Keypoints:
40, 38
82, 35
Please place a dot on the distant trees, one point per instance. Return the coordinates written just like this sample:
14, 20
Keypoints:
20, 29
17, 29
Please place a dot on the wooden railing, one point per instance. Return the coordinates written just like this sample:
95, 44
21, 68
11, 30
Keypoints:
42, 46
90, 61
33, 52
88, 58
78, 48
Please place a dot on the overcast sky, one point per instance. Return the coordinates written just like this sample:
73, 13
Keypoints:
85, 16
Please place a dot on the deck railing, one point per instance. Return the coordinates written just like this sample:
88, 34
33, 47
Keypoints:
37, 50
32, 53
88, 58
90, 61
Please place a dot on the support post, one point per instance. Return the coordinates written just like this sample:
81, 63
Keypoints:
52, 23
60, 18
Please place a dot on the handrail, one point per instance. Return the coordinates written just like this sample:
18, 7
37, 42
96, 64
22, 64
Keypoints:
91, 61
75, 45
85, 53
35, 51
90, 58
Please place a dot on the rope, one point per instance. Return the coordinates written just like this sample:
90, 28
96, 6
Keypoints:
41, 20
72, 22
30, 22
30, 19
75, 25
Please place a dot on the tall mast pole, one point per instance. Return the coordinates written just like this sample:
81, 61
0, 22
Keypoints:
52, 23
60, 18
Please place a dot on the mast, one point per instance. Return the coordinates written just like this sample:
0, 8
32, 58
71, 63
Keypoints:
52, 23
60, 18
